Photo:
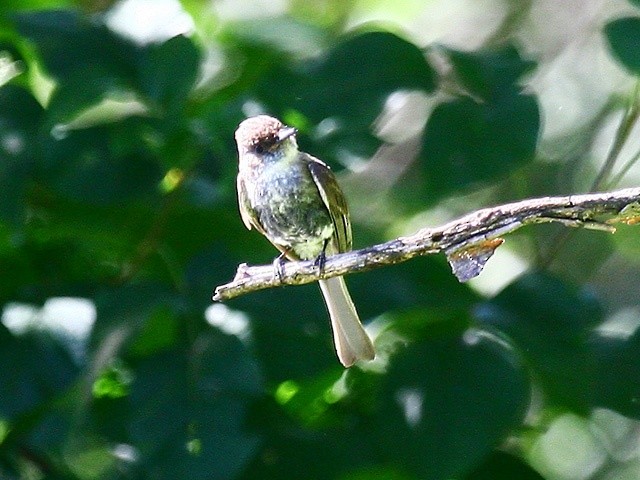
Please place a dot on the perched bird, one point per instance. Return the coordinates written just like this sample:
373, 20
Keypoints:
294, 200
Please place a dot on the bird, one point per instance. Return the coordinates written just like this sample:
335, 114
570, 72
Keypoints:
294, 200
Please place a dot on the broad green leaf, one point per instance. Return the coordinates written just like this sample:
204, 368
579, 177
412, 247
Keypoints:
89, 165
283, 34
502, 466
357, 75
489, 73
80, 90
190, 410
20, 117
350, 83
168, 72
130, 314
468, 142
447, 402
70, 43
624, 37
626, 242
549, 322
616, 360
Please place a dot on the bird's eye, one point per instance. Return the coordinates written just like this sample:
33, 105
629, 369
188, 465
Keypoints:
260, 149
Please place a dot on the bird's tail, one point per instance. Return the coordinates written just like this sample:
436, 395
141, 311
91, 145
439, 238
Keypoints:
351, 341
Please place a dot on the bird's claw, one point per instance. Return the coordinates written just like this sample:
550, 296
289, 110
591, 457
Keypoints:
278, 267
321, 259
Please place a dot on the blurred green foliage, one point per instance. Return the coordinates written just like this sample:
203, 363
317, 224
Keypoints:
117, 167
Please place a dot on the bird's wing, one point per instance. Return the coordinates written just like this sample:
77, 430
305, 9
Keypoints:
251, 220
246, 212
333, 199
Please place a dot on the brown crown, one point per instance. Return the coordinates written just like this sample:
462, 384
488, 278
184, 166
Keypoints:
254, 130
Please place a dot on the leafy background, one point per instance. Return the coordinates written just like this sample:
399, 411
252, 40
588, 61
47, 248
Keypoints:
118, 218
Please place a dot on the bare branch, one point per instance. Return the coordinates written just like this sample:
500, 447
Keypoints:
468, 241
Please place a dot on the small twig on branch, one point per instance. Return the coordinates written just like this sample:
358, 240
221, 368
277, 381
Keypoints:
468, 241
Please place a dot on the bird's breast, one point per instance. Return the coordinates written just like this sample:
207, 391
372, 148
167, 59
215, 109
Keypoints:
289, 207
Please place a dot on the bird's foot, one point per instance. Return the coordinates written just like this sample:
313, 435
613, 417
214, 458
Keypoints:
321, 259
278, 267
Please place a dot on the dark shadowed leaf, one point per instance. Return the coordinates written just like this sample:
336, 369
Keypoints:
467, 142
624, 37
489, 73
191, 410
168, 72
355, 78
617, 358
487, 135
448, 401
502, 466
89, 165
20, 118
70, 43
549, 321
34, 370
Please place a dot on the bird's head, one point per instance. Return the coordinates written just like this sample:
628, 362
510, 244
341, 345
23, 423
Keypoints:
267, 138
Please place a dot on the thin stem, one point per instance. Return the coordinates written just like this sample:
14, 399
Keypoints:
621, 137
602, 179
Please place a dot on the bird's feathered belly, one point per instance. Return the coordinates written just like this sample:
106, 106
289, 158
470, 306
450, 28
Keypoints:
290, 210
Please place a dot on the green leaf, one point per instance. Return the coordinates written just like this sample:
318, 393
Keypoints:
20, 116
446, 402
89, 165
549, 322
70, 43
282, 34
489, 73
616, 360
80, 90
466, 142
24, 384
355, 78
189, 410
132, 313
502, 466
291, 331
350, 84
624, 37
159, 332
168, 72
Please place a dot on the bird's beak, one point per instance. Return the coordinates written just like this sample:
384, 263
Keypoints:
286, 132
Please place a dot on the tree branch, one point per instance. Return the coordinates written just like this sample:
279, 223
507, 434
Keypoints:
468, 241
